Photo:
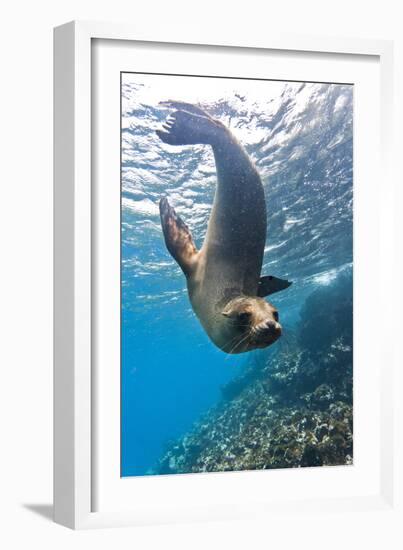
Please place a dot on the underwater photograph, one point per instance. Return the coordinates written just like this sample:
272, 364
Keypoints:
236, 274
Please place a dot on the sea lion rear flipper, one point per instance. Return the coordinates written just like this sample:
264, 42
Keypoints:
189, 125
183, 106
178, 237
270, 284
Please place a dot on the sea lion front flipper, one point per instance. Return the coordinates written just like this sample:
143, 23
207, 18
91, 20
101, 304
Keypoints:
178, 238
270, 284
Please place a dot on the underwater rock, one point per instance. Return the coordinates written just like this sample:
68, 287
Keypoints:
290, 408
319, 324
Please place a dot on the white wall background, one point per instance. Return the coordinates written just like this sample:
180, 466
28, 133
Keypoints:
26, 267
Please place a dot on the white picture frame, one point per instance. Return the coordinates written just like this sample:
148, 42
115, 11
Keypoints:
76, 422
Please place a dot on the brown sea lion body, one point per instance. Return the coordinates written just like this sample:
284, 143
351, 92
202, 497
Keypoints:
224, 280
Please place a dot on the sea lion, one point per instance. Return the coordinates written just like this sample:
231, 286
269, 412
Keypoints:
223, 277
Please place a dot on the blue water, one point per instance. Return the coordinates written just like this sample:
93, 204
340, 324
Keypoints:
300, 137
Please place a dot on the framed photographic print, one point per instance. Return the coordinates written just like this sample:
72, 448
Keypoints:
221, 243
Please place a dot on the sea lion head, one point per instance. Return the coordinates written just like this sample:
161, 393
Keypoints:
252, 322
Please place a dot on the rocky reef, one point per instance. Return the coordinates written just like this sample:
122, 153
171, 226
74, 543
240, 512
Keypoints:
290, 408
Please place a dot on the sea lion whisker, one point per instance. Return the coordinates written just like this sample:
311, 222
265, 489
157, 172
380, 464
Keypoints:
241, 341
230, 341
244, 339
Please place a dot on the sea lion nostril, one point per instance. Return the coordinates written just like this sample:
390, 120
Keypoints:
272, 327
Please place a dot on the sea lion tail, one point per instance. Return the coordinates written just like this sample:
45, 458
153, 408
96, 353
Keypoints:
189, 125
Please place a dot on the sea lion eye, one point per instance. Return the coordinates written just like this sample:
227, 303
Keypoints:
276, 316
244, 316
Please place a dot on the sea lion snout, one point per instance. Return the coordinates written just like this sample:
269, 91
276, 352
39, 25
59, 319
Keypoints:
266, 332
268, 326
